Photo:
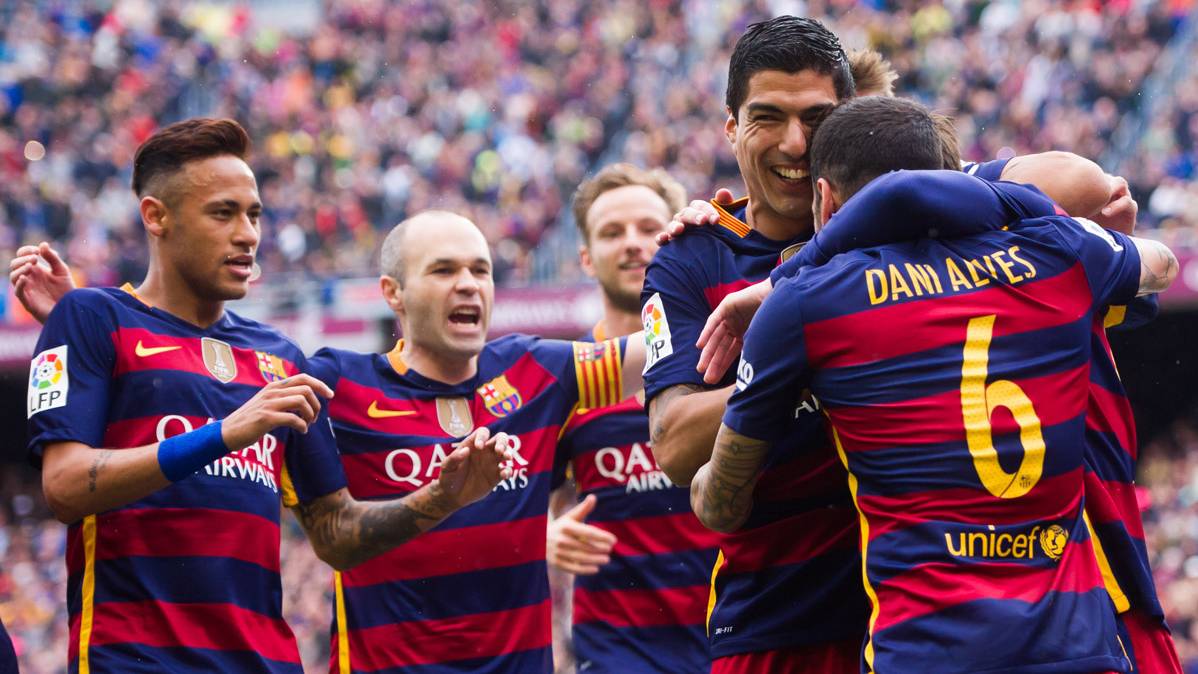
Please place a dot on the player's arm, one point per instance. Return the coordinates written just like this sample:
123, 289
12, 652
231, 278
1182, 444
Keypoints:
632, 366
1158, 266
80, 480
1076, 184
722, 490
683, 421
345, 532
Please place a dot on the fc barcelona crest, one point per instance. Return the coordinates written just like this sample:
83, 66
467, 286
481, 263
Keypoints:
218, 358
500, 397
271, 366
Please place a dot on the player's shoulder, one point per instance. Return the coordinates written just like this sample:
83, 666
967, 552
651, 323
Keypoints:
261, 336
92, 309
96, 299
502, 352
695, 245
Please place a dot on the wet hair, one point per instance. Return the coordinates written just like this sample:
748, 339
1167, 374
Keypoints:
872, 73
871, 136
789, 44
623, 175
165, 153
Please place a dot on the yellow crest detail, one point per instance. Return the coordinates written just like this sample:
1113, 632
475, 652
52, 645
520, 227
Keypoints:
500, 397
1053, 540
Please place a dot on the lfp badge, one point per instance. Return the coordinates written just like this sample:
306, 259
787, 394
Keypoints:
500, 397
48, 380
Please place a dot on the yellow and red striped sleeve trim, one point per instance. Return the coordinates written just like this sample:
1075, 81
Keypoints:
600, 380
731, 222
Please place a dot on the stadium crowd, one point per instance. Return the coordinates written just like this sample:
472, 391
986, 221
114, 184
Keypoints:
497, 109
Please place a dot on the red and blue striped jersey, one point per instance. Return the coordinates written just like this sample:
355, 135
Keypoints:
954, 374
644, 611
187, 578
472, 594
790, 576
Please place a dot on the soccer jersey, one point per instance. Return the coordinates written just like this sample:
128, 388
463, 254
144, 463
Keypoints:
471, 594
932, 201
187, 578
954, 377
644, 610
790, 577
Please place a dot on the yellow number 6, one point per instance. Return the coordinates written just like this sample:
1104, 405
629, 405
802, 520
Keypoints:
978, 402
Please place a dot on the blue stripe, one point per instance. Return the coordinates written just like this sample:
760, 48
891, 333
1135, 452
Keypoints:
1128, 557
603, 649
913, 469
1107, 458
816, 601
616, 504
450, 596
215, 494
652, 572
216, 580
1064, 633
137, 659
538, 660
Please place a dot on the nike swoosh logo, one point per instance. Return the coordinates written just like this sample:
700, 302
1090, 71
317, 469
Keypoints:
375, 413
144, 351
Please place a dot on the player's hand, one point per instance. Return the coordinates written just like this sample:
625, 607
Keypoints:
290, 402
39, 286
724, 332
697, 214
576, 547
1120, 211
475, 466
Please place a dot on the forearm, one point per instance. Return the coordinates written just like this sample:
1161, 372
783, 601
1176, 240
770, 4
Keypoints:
1075, 183
683, 422
79, 480
722, 493
345, 532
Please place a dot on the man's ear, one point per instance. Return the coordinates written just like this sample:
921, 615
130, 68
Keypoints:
392, 293
588, 264
829, 202
154, 215
730, 126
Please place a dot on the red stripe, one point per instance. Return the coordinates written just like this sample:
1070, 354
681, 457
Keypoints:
75, 548
621, 466
1109, 501
659, 535
936, 419
179, 532
424, 642
589, 416
937, 586
869, 336
715, 294
790, 540
454, 551
814, 473
1152, 643
642, 608
140, 431
352, 400
368, 474
1052, 498
189, 358
221, 627
1111, 413
529, 378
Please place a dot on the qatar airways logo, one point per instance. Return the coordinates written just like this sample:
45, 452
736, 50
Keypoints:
255, 463
634, 467
408, 466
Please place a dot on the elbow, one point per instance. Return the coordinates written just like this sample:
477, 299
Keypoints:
339, 559
59, 497
672, 463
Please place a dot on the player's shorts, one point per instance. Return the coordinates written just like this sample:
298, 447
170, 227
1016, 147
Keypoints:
1149, 644
842, 657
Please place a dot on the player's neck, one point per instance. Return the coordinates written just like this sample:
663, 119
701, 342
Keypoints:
617, 322
437, 366
776, 227
174, 297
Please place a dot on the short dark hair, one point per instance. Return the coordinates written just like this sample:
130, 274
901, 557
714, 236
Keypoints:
870, 136
790, 44
164, 153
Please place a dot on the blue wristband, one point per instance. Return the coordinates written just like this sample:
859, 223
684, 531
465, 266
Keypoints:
183, 455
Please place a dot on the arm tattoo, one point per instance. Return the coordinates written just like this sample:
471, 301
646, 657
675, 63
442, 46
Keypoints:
1159, 258
93, 473
346, 532
726, 496
659, 404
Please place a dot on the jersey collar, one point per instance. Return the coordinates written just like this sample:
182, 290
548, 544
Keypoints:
731, 222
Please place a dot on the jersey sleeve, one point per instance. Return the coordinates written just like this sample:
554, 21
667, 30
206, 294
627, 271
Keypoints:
986, 170
313, 464
1137, 313
909, 205
673, 313
1110, 259
71, 375
598, 372
772, 369
325, 366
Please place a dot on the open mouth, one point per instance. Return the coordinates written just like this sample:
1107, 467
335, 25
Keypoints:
465, 316
793, 176
241, 265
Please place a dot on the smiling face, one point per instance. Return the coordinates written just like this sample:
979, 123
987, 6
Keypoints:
445, 296
770, 135
206, 228
621, 226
